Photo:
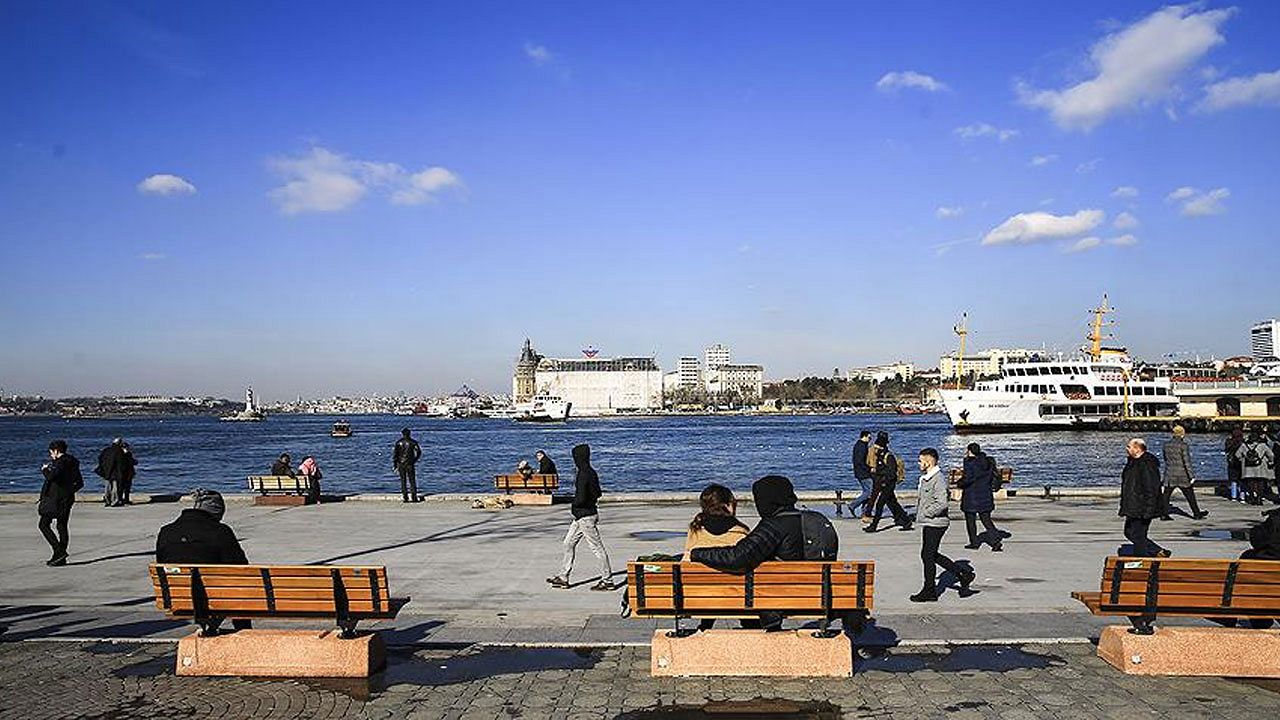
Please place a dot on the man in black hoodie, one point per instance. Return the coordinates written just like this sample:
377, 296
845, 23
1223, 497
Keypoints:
586, 491
199, 536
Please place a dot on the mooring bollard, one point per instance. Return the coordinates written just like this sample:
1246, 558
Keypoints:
839, 503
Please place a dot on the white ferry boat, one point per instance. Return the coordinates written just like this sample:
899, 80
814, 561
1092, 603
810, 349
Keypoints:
543, 408
1043, 394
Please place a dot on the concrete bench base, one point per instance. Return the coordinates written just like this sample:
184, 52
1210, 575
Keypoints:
530, 498
286, 500
280, 653
1221, 652
756, 653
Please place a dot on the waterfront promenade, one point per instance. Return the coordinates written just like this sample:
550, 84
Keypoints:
485, 636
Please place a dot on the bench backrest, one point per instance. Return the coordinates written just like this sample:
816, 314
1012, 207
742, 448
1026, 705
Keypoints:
278, 483
271, 590
516, 481
809, 588
1190, 586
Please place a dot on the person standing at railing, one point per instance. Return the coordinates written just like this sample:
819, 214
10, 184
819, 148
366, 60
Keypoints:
404, 458
1234, 469
1257, 464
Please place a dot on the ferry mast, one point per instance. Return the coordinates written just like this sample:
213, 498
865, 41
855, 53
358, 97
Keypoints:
961, 329
1096, 336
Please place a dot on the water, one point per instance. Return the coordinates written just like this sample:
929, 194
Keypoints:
631, 454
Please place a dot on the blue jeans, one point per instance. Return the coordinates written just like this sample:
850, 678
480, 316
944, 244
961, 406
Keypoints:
863, 499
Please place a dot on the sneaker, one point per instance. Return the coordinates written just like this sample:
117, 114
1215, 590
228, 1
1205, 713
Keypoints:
57, 560
1202, 514
904, 528
558, 582
997, 548
604, 586
924, 596
870, 528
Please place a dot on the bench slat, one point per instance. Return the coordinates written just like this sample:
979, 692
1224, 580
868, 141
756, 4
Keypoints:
1192, 587
793, 588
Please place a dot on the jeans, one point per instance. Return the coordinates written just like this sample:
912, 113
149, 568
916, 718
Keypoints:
60, 541
585, 528
1188, 492
408, 482
1135, 531
885, 496
992, 532
865, 500
931, 558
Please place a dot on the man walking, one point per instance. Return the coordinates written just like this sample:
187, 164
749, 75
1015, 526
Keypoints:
585, 525
862, 473
61, 481
1178, 474
115, 467
404, 457
887, 471
1141, 499
931, 514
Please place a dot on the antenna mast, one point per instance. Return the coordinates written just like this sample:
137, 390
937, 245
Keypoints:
1096, 335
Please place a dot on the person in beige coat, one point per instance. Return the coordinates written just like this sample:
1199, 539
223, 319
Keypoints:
715, 525
1178, 473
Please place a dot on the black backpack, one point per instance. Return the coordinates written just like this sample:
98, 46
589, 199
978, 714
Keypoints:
1251, 456
820, 539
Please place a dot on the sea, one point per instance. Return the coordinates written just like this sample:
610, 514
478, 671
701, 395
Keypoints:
632, 454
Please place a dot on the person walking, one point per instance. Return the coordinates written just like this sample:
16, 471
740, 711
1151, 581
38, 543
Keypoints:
199, 536
887, 471
585, 525
1257, 464
862, 473
931, 514
545, 464
62, 479
404, 458
115, 467
1234, 468
978, 481
1141, 498
1178, 473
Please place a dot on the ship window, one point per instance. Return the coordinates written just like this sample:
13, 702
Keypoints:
1099, 390
1055, 370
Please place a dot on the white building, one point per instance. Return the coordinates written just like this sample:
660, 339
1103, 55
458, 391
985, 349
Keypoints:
716, 355
1264, 339
987, 362
881, 373
690, 372
746, 380
602, 386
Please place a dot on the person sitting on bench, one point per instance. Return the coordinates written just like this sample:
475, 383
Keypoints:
199, 536
1264, 539
283, 466
716, 525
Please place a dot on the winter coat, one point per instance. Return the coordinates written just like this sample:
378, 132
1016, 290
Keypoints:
280, 467
861, 470
586, 487
933, 497
198, 537
406, 453
62, 479
1177, 463
1265, 468
546, 466
877, 462
1265, 540
978, 484
115, 463
778, 536
716, 531
1141, 493
1230, 445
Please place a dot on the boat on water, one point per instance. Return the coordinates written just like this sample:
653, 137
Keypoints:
341, 429
543, 408
250, 413
1075, 393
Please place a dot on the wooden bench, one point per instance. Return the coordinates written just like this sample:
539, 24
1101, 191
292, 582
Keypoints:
816, 589
207, 594
1143, 589
517, 483
280, 489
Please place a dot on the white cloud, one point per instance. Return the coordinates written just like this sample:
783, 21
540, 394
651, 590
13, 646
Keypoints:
1260, 89
1125, 221
1136, 66
1123, 240
1197, 204
321, 180
1088, 166
1042, 160
949, 212
900, 79
1031, 227
538, 54
981, 130
166, 184
1084, 244
1046, 202
1125, 191
151, 256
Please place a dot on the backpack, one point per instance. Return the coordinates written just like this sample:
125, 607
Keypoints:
1251, 456
820, 539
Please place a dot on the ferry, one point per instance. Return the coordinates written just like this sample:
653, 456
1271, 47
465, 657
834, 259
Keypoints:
341, 429
1076, 393
543, 408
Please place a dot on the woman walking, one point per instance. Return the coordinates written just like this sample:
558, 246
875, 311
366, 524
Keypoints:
1178, 474
977, 499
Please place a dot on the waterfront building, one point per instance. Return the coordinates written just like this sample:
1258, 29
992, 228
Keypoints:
716, 355
1264, 339
882, 373
983, 364
747, 381
592, 385
523, 386
689, 372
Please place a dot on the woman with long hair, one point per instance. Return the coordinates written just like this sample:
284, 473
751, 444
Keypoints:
715, 525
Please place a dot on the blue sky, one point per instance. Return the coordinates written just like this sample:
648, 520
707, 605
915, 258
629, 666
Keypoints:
325, 197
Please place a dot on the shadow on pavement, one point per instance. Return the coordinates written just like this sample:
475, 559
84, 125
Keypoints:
991, 658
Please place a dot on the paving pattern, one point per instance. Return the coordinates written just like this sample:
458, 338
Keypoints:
41, 680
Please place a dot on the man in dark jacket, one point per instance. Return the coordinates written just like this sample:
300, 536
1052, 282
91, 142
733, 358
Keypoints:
115, 467
862, 473
199, 536
887, 470
404, 458
545, 464
283, 466
1141, 498
585, 525
58, 493
977, 497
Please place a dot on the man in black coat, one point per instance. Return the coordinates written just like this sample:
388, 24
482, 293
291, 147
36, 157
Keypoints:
199, 536
585, 525
545, 465
62, 479
1141, 498
404, 458
115, 467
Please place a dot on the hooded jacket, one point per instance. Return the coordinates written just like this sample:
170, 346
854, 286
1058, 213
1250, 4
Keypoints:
61, 481
1141, 493
778, 536
586, 488
977, 484
198, 537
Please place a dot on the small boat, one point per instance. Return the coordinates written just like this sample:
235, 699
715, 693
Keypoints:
543, 408
341, 429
